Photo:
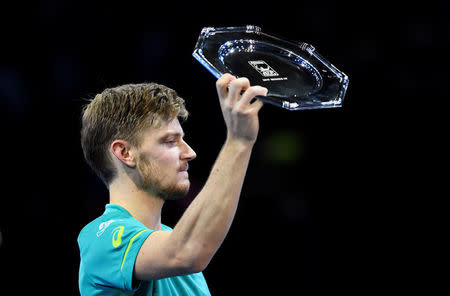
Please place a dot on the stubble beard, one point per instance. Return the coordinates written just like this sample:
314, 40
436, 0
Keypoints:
151, 177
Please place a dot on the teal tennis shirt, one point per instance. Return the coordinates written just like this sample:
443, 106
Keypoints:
108, 249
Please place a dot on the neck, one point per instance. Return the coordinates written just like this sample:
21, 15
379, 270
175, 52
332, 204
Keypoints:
142, 205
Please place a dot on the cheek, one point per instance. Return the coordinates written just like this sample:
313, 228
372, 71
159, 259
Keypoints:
169, 159
164, 167
164, 159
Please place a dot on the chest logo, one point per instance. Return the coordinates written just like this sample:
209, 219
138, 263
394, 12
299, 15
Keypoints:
117, 236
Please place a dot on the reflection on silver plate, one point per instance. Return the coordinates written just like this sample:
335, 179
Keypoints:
296, 76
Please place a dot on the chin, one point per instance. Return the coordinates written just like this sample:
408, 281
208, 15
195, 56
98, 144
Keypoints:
176, 193
173, 195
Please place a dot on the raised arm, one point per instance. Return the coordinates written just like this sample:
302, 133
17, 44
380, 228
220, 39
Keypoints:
204, 225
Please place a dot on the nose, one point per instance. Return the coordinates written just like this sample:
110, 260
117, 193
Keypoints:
187, 152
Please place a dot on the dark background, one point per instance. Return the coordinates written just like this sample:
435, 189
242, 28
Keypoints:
336, 202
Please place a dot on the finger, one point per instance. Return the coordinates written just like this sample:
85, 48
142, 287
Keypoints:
236, 86
257, 105
222, 84
251, 93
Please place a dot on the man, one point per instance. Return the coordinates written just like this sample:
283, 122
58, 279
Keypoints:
133, 140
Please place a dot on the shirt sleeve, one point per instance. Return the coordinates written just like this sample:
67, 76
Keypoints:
112, 255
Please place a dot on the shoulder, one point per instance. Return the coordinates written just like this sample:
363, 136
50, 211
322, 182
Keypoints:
110, 228
108, 247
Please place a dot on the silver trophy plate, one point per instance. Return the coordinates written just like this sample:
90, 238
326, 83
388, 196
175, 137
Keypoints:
296, 76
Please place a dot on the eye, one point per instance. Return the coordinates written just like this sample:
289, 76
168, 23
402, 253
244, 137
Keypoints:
171, 142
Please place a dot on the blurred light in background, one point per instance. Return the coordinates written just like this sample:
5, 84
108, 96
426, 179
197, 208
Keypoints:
283, 147
13, 91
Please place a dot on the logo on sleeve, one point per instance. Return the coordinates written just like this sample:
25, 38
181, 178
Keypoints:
102, 227
117, 236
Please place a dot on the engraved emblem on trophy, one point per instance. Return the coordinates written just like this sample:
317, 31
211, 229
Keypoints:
263, 68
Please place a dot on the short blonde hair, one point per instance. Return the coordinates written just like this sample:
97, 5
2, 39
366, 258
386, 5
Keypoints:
123, 113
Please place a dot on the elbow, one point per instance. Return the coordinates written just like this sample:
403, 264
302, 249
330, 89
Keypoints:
190, 266
203, 256
195, 261
198, 267
198, 263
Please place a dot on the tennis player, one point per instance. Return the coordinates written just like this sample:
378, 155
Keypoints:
132, 138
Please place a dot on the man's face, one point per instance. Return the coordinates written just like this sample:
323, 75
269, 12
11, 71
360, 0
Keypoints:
162, 161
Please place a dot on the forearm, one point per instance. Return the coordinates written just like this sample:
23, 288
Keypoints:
206, 222
204, 225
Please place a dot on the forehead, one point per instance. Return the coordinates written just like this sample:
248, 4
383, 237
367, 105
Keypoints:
166, 128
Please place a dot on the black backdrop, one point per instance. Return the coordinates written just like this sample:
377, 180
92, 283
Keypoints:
343, 201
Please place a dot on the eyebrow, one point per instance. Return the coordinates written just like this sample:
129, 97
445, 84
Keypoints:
169, 134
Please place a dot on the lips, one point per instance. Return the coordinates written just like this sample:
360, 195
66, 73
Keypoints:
184, 168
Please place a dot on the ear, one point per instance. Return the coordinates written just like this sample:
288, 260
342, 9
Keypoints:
122, 150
